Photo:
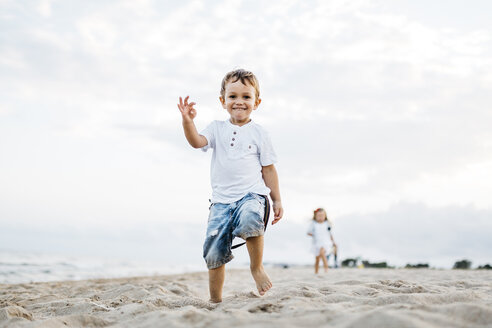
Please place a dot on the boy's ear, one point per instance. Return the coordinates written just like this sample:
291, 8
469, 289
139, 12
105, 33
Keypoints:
222, 101
257, 103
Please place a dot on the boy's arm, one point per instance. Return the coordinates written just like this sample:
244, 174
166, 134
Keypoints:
188, 113
271, 180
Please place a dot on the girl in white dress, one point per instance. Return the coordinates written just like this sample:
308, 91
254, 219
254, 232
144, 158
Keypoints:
320, 230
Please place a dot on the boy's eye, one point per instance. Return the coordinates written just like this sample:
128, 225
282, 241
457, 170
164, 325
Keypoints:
247, 97
232, 97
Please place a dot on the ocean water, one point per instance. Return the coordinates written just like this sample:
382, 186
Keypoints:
24, 267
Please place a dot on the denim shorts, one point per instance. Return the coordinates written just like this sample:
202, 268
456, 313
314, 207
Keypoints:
243, 218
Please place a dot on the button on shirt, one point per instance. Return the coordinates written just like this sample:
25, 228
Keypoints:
237, 160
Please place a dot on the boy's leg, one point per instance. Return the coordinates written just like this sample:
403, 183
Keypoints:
215, 283
255, 250
217, 248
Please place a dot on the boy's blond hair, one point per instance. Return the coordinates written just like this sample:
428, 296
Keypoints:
243, 75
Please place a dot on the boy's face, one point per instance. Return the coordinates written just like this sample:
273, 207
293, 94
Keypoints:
239, 101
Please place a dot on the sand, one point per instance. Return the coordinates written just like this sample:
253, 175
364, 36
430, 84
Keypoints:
340, 298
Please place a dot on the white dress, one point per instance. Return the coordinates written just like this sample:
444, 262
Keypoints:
321, 237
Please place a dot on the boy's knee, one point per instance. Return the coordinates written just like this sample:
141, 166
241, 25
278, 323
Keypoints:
214, 255
251, 225
250, 218
254, 238
214, 260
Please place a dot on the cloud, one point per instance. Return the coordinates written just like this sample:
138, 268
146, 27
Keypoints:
367, 106
5, 110
44, 8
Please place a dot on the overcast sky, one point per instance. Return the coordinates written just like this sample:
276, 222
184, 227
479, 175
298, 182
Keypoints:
380, 111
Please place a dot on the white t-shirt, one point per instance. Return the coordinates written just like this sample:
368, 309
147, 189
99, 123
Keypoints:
239, 154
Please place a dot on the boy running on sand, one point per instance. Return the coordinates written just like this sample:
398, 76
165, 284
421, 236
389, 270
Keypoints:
242, 175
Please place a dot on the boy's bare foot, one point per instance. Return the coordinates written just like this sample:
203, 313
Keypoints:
255, 250
215, 300
262, 280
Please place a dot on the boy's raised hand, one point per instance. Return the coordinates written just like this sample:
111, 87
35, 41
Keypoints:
187, 111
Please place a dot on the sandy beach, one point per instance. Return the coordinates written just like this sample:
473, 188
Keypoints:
340, 298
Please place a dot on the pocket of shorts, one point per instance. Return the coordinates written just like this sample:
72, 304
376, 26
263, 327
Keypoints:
259, 198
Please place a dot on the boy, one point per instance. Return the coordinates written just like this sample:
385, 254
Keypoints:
242, 171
